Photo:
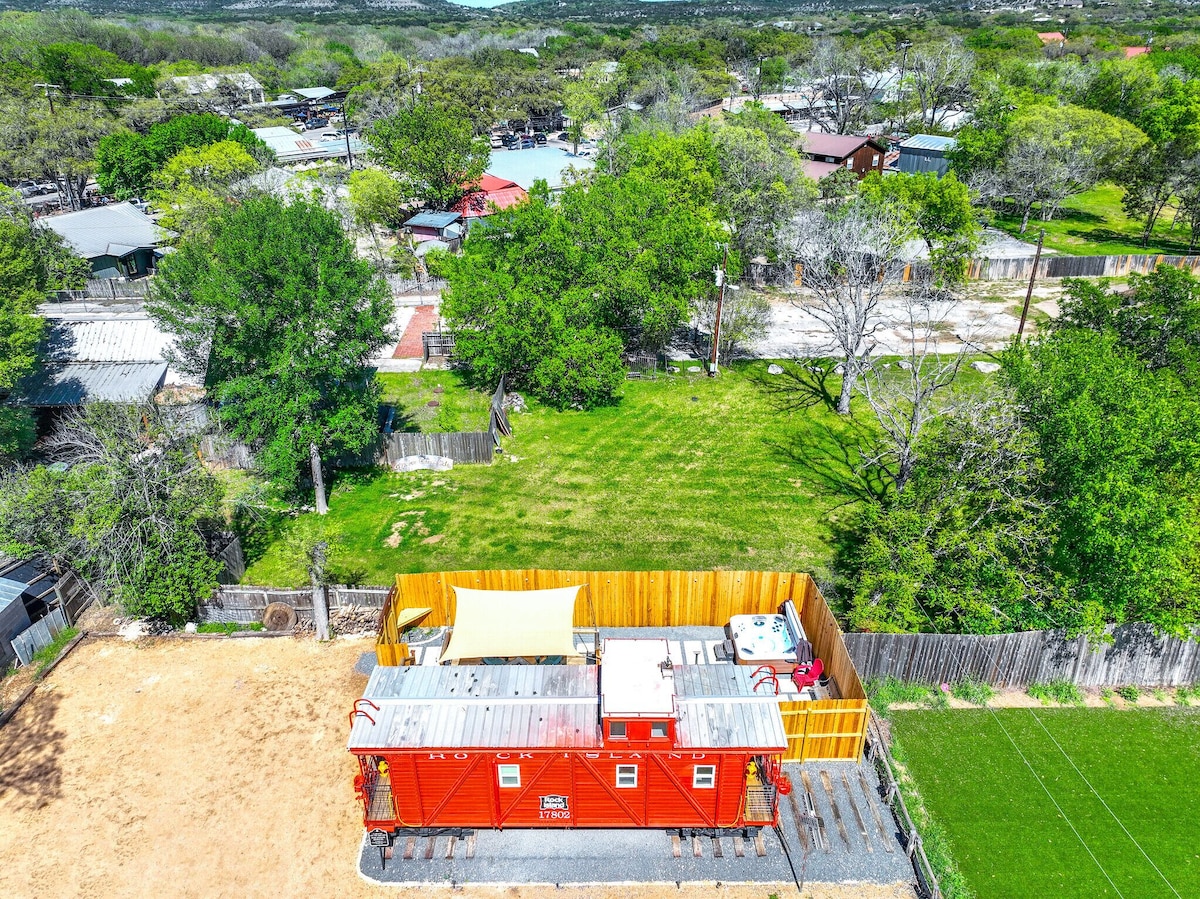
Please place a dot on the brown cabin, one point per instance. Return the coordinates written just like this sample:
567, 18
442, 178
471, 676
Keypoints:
829, 152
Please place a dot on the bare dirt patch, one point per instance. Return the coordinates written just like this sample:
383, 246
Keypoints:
210, 768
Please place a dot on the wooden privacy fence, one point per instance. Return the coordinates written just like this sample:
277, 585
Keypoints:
461, 446
824, 729
1076, 266
245, 605
1136, 655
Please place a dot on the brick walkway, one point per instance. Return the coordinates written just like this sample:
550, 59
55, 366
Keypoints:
425, 318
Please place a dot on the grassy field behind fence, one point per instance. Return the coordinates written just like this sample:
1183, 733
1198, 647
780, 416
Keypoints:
686, 472
1006, 834
1094, 224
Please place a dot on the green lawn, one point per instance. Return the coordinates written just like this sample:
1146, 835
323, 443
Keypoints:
1007, 836
1094, 224
458, 408
685, 472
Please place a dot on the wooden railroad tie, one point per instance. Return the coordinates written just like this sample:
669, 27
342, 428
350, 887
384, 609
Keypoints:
739, 847
874, 807
822, 837
801, 827
696, 850
760, 844
676, 849
450, 841
837, 815
471, 845
410, 846
858, 818
717, 851
429, 844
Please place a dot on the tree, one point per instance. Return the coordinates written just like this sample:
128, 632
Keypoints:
376, 198
941, 214
844, 79
848, 255
126, 163
906, 403
965, 548
191, 185
434, 152
1169, 163
1056, 152
940, 74
582, 104
551, 292
32, 261
274, 310
1121, 445
131, 513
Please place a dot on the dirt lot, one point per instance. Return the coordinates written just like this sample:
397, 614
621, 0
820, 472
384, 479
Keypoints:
207, 768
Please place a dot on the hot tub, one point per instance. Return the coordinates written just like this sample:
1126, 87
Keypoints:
763, 640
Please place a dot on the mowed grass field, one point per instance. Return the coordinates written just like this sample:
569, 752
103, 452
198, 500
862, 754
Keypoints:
1007, 836
685, 472
1095, 224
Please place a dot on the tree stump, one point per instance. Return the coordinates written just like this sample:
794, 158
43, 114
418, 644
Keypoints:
278, 617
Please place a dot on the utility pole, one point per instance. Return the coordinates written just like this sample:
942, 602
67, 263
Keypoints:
1032, 277
346, 134
713, 370
49, 96
904, 45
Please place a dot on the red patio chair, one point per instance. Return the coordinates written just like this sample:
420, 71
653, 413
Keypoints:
807, 675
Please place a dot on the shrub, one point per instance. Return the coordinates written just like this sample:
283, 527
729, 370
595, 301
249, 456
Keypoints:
1106, 695
884, 692
1185, 695
974, 691
1060, 692
1129, 693
1160, 695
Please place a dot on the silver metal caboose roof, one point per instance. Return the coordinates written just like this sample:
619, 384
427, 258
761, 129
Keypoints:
719, 709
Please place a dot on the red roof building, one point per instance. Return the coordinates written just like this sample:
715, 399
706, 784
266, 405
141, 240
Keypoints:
1131, 52
1051, 37
829, 152
488, 192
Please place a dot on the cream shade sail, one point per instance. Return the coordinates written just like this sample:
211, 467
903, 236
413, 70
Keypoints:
510, 623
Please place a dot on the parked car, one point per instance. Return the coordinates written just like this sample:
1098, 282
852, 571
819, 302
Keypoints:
510, 140
539, 138
564, 137
527, 143
331, 135
497, 141
139, 204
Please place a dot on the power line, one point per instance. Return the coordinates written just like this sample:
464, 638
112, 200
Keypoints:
962, 667
1120, 823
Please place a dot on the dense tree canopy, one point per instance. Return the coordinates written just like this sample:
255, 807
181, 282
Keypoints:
552, 291
433, 150
272, 307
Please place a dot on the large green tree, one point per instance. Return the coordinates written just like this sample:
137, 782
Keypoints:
32, 261
552, 291
433, 150
126, 162
1121, 443
272, 307
132, 512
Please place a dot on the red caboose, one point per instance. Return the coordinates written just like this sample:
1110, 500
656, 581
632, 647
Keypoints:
632, 742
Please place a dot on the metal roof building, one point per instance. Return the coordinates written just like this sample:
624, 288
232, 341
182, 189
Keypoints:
925, 153
118, 239
288, 146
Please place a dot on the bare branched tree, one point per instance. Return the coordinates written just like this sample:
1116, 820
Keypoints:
850, 257
940, 74
905, 397
842, 80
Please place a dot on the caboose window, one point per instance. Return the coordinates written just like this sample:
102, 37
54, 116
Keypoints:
627, 775
510, 775
616, 730
704, 776
658, 728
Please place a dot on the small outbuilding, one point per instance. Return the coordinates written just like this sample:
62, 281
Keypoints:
445, 226
489, 194
925, 153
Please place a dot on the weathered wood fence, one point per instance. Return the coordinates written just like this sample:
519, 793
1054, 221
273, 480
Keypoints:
1136, 655
461, 446
401, 285
245, 605
823, 729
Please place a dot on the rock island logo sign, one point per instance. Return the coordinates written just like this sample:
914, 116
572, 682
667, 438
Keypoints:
553, 803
